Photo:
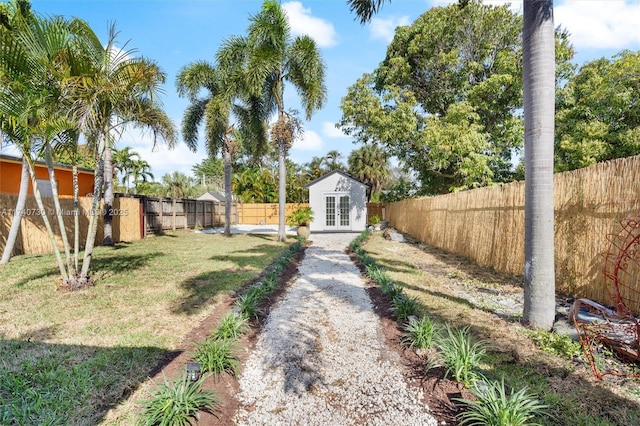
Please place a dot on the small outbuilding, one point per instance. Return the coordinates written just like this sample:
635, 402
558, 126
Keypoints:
339, 203
212, 196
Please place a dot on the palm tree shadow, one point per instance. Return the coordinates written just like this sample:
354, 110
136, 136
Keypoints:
109, 265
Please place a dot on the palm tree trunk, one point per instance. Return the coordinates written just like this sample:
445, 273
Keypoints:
93, 223
108, 197
226, 155
282, 190
539, 105
47, 225
58, 209
76, 220
18, 213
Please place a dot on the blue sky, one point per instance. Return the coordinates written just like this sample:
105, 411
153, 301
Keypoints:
175, 33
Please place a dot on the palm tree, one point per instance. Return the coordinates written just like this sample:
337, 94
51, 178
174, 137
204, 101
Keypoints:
141, 173
333, 160
122, 91
123, 162
177, 185
371, 165
539, 109
271, 58
315, 168
13, 11
226, 97
539, 104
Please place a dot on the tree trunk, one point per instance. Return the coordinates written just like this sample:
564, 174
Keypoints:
226, 155
58, 208
18, 213
282, 190
539, 106
93, 224
76, 219
47, 225
108, 197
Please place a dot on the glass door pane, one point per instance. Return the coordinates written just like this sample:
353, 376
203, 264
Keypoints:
330, 208
344, 211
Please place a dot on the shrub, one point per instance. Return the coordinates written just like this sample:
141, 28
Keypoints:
554, 343
460, 355
176, 403
230, 327
404, 306
216, 356
421, 333
301, 216
495, 407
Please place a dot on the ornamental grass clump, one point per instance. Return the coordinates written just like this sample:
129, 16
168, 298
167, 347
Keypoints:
494, 406
461, 356
247, 304
177, 403
421, 333
217, 356
231, 327
404, 306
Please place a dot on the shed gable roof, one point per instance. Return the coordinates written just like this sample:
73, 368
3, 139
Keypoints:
333, 172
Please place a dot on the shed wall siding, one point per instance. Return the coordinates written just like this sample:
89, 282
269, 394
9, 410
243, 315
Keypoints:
336, 184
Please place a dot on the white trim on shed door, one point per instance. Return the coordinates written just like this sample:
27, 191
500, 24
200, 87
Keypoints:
337, 212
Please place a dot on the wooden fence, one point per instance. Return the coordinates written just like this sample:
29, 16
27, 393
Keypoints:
264, 214
170, 214
33, 237
487, 224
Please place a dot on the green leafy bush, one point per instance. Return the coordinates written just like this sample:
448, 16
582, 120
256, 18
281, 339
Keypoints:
421, 333
216, 356
231, 327
460, 355
176, 403
301, 216
375, 219
554, 343
403, 306
495, 407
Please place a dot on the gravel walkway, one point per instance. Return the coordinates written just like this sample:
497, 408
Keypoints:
321, 358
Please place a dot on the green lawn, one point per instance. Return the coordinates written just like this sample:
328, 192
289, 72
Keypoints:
67, 358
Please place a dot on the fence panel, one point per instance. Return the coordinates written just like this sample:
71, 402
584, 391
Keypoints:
263, 214
161, 214
33, 238
487, 224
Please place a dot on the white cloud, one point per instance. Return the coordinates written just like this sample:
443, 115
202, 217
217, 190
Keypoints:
331, 131
310, 141
302, 23
384, 28
600, 24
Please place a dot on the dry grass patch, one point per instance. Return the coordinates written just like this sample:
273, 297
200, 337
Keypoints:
69, 357
455, 291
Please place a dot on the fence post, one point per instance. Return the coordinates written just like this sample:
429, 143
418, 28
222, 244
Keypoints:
173, 214
185, 207
161, 215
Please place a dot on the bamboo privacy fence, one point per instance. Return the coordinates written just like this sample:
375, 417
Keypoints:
33, 237
487, 224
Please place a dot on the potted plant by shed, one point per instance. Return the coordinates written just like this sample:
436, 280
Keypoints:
301, 217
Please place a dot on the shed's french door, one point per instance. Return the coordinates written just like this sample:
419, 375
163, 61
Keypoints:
337, 212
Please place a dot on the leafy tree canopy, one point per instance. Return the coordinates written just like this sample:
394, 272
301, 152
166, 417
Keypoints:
598, 113
447, 98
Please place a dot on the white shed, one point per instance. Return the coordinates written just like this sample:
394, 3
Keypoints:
339, 203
